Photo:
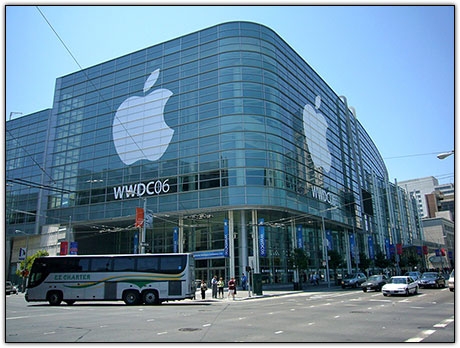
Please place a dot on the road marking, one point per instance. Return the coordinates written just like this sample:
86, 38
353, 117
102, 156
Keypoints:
444, 323
206, 325
162, 333
424, 334
337, 316
49, 333
278, 332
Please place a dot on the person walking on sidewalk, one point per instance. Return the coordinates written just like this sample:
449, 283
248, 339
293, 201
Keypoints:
231, 288
214, 286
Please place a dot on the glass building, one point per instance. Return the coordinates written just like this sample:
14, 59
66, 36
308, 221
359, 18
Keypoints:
236, 148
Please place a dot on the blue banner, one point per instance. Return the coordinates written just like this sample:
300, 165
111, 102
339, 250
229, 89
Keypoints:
226, 240
262, 250
370, 243
352, 245
175, 240
73, 248
136, 242
211, 254
387, 248
299, 237
392, 250
329, 240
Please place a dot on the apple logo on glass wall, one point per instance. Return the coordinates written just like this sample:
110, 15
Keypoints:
139, 129
315, 127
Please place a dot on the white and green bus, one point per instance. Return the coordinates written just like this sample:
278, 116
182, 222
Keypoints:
134, 278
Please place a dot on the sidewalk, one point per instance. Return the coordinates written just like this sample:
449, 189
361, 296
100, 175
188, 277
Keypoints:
269, 291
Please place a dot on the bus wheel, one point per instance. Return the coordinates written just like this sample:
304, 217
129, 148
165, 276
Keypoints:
55, 298
131, 297
151, 297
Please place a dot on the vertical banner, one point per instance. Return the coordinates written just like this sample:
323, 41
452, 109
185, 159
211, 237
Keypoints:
176, 239
226, 241
370, 243
64, 248
139, 217
419, 250
73, 248
329, 240
136, 242
437, 252
352, 246
387, 248
299, 237
399, 248
262, 249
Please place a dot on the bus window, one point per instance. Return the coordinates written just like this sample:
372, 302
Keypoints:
83, 265
148, 264
173, 264
123, 264
101, 264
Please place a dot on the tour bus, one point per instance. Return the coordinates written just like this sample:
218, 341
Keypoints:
133, 278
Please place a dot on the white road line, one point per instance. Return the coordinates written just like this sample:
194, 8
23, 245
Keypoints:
278, 332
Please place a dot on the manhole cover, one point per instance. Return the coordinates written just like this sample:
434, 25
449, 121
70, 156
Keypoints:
189, 329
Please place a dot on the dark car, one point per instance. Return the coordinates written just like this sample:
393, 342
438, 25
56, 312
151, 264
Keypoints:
432, 280
374, 282
353, 280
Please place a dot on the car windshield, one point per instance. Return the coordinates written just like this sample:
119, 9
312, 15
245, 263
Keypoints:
398, 280
374, 277
350, 276
429, 275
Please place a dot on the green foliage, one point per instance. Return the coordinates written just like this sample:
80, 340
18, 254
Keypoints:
28, 262
382, 262
335, 259
300, 259
364, 261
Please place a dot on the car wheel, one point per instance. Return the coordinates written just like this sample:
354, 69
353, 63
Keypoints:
364, 290
385, 294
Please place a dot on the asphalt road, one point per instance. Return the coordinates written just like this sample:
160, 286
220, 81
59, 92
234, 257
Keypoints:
313, 316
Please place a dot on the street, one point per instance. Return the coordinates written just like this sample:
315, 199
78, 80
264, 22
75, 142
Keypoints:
330, 315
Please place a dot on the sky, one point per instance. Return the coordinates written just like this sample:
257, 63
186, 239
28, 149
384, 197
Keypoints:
395, 64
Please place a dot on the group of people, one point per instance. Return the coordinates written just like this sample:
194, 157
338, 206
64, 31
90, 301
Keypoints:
217, 287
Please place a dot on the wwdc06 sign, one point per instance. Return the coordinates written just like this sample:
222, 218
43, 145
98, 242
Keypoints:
154, 187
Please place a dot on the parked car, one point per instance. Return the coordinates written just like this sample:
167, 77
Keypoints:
415, 275
400, 285
451, 281
353, 280
432, 280
10, 288
374, 282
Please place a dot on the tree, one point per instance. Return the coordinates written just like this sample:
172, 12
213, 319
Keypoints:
299, 260
381, 261
25, 265
335, 261
364, 261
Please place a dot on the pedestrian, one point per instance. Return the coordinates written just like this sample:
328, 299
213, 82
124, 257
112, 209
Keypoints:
220, 287
243, 281
214, 286
231, 288
203, 289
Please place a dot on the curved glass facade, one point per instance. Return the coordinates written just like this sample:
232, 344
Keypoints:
224, 135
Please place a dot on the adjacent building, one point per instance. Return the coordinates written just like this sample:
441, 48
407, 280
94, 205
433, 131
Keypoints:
232, 145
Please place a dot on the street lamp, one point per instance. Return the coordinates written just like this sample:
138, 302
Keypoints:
445, 154
25, 256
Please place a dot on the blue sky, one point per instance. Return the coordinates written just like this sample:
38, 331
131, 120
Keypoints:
395, 64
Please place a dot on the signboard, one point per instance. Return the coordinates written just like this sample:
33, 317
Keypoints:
299, 237
64, 248
139, 217
175, 240
22, 254
370, 243
211, 254
73, 248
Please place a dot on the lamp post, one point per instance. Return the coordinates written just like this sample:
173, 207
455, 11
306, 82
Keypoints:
25, 257
443, 155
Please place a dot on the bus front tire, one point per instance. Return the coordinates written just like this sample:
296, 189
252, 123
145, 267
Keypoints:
131, 297
151, 297
55, 298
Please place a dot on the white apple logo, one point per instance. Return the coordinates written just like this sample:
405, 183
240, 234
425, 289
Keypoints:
139, 129
315, 127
